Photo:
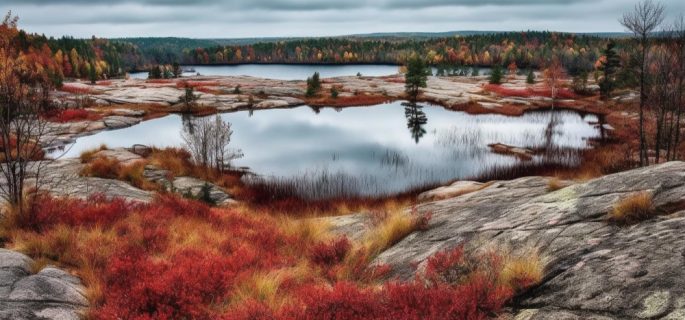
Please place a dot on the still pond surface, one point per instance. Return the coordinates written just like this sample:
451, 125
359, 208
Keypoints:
375, 150
299, 72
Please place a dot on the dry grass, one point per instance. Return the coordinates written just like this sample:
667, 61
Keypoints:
523, 271
633, 209
89, 155
554, 184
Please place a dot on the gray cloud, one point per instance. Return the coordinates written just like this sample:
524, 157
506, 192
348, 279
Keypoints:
252, 18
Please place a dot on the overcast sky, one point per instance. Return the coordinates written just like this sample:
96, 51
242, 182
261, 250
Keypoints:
259, 18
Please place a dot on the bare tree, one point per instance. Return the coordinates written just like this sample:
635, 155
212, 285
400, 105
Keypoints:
678, 43
209, 141
642, 21
553, 77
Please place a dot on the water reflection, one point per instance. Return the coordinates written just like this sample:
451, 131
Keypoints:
416, 120
370, 147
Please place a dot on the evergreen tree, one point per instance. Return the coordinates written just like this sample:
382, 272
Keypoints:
531, 77
496, 74
416, 76
609, 68
92, 73
176, 69
313, 84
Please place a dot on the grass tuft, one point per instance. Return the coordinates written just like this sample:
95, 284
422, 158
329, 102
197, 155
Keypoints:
633, 209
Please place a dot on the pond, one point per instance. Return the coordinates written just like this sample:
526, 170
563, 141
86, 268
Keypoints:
376, 150
294, 72
285, 72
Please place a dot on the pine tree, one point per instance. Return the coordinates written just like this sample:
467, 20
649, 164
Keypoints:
416, 76
496, 75
531, 77
313, 84
609, 67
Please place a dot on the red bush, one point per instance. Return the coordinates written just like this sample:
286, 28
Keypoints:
96, 210
562, 93
75, 89
70, 115
328, 254
195, 84
343, 301
140, 288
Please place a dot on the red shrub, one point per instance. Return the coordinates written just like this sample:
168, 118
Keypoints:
195, 84
140, 288
96, 210
160, 81
343, 301
104, 83
328, 254
529, 92
75, 89
70, 115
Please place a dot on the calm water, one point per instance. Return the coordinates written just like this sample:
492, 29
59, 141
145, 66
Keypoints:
286, 72
375, 150
294, 72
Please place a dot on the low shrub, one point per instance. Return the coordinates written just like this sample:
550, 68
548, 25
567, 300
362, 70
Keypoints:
75, 89
328, 254
102, 167
633, 209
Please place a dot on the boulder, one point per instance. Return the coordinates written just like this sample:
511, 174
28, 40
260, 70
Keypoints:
595, 269
118, 122
454, 190
49, 294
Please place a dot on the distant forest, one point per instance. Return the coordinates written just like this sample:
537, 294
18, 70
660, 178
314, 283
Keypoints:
579, 53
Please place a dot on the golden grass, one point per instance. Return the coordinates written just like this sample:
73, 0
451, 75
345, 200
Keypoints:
394, 227
555, 184
523, 271
633, 209
89, 155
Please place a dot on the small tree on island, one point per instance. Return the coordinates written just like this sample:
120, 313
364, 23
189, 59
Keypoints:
188, 98
530, 79
416, 76
313, 85
496, 75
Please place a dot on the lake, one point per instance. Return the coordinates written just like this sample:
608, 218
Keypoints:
375, 150
292, 72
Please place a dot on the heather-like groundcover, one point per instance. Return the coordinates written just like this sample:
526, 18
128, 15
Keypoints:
177, 258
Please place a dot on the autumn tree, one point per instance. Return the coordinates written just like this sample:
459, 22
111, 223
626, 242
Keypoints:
642, 22
25, 81
553, 77
416, 76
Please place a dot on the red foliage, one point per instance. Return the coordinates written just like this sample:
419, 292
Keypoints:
195, 84
140, 288
75, 89
343, 301
529, 92
70, 115
48, 211
328, 254
160, 81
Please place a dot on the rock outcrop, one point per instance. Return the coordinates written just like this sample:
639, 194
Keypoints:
50, 294
595, 270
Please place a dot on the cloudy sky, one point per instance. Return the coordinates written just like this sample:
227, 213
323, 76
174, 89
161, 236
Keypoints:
258, 18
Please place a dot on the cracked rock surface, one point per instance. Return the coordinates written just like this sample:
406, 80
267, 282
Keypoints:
595, 270
51, 294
